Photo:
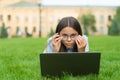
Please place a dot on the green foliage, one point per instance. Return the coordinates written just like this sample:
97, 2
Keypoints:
51, 32
3, 31
93, 28
118, 13
114, 28
88, 20
17, 30
86, 30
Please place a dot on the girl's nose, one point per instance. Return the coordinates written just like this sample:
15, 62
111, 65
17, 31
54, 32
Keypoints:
69, 39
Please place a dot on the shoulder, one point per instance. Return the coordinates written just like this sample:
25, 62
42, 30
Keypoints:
49, 47
87, 44
49, 40
85, 37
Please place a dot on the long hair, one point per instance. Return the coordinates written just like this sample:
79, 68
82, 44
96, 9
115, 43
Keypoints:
71, 22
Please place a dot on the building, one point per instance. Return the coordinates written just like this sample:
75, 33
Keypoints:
21, 16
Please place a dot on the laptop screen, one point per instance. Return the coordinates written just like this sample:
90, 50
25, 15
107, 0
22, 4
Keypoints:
58, 64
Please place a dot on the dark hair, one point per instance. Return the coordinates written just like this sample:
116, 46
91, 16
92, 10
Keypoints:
71, 22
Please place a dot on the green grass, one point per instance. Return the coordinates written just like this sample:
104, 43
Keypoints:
19, 58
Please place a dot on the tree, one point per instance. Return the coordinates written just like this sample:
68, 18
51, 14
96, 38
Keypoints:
114, 28
88, 21
51, 32
3, 31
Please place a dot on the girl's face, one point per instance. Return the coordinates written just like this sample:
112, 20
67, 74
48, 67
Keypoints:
68, 36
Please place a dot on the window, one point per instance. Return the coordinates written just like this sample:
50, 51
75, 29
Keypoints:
26, 29
34, 29
101, 18
8, 30
109, 18
101, 29
9, 17
1, 17
17, 19
26, 19
17, 29
34, 19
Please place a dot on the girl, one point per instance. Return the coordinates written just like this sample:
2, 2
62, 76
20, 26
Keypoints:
68, 37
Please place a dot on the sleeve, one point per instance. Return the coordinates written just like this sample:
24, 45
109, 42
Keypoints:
49, 47
87, 44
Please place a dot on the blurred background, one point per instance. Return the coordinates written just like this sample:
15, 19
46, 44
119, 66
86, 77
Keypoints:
39, 18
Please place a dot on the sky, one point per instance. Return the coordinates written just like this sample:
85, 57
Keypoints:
81, 2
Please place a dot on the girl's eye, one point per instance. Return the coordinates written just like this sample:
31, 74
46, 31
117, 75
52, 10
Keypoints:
65, 35
73, 35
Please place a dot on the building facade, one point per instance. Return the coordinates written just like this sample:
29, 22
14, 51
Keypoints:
28, 16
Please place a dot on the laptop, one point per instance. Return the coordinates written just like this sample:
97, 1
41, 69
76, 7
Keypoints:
75, 64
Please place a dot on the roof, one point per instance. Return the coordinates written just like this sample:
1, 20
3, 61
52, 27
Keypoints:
106, 3
80, 6
23, 4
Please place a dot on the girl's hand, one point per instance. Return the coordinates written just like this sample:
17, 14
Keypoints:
81, 43
56, 42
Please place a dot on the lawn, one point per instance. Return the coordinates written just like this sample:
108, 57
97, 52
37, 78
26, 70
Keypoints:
19, 58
